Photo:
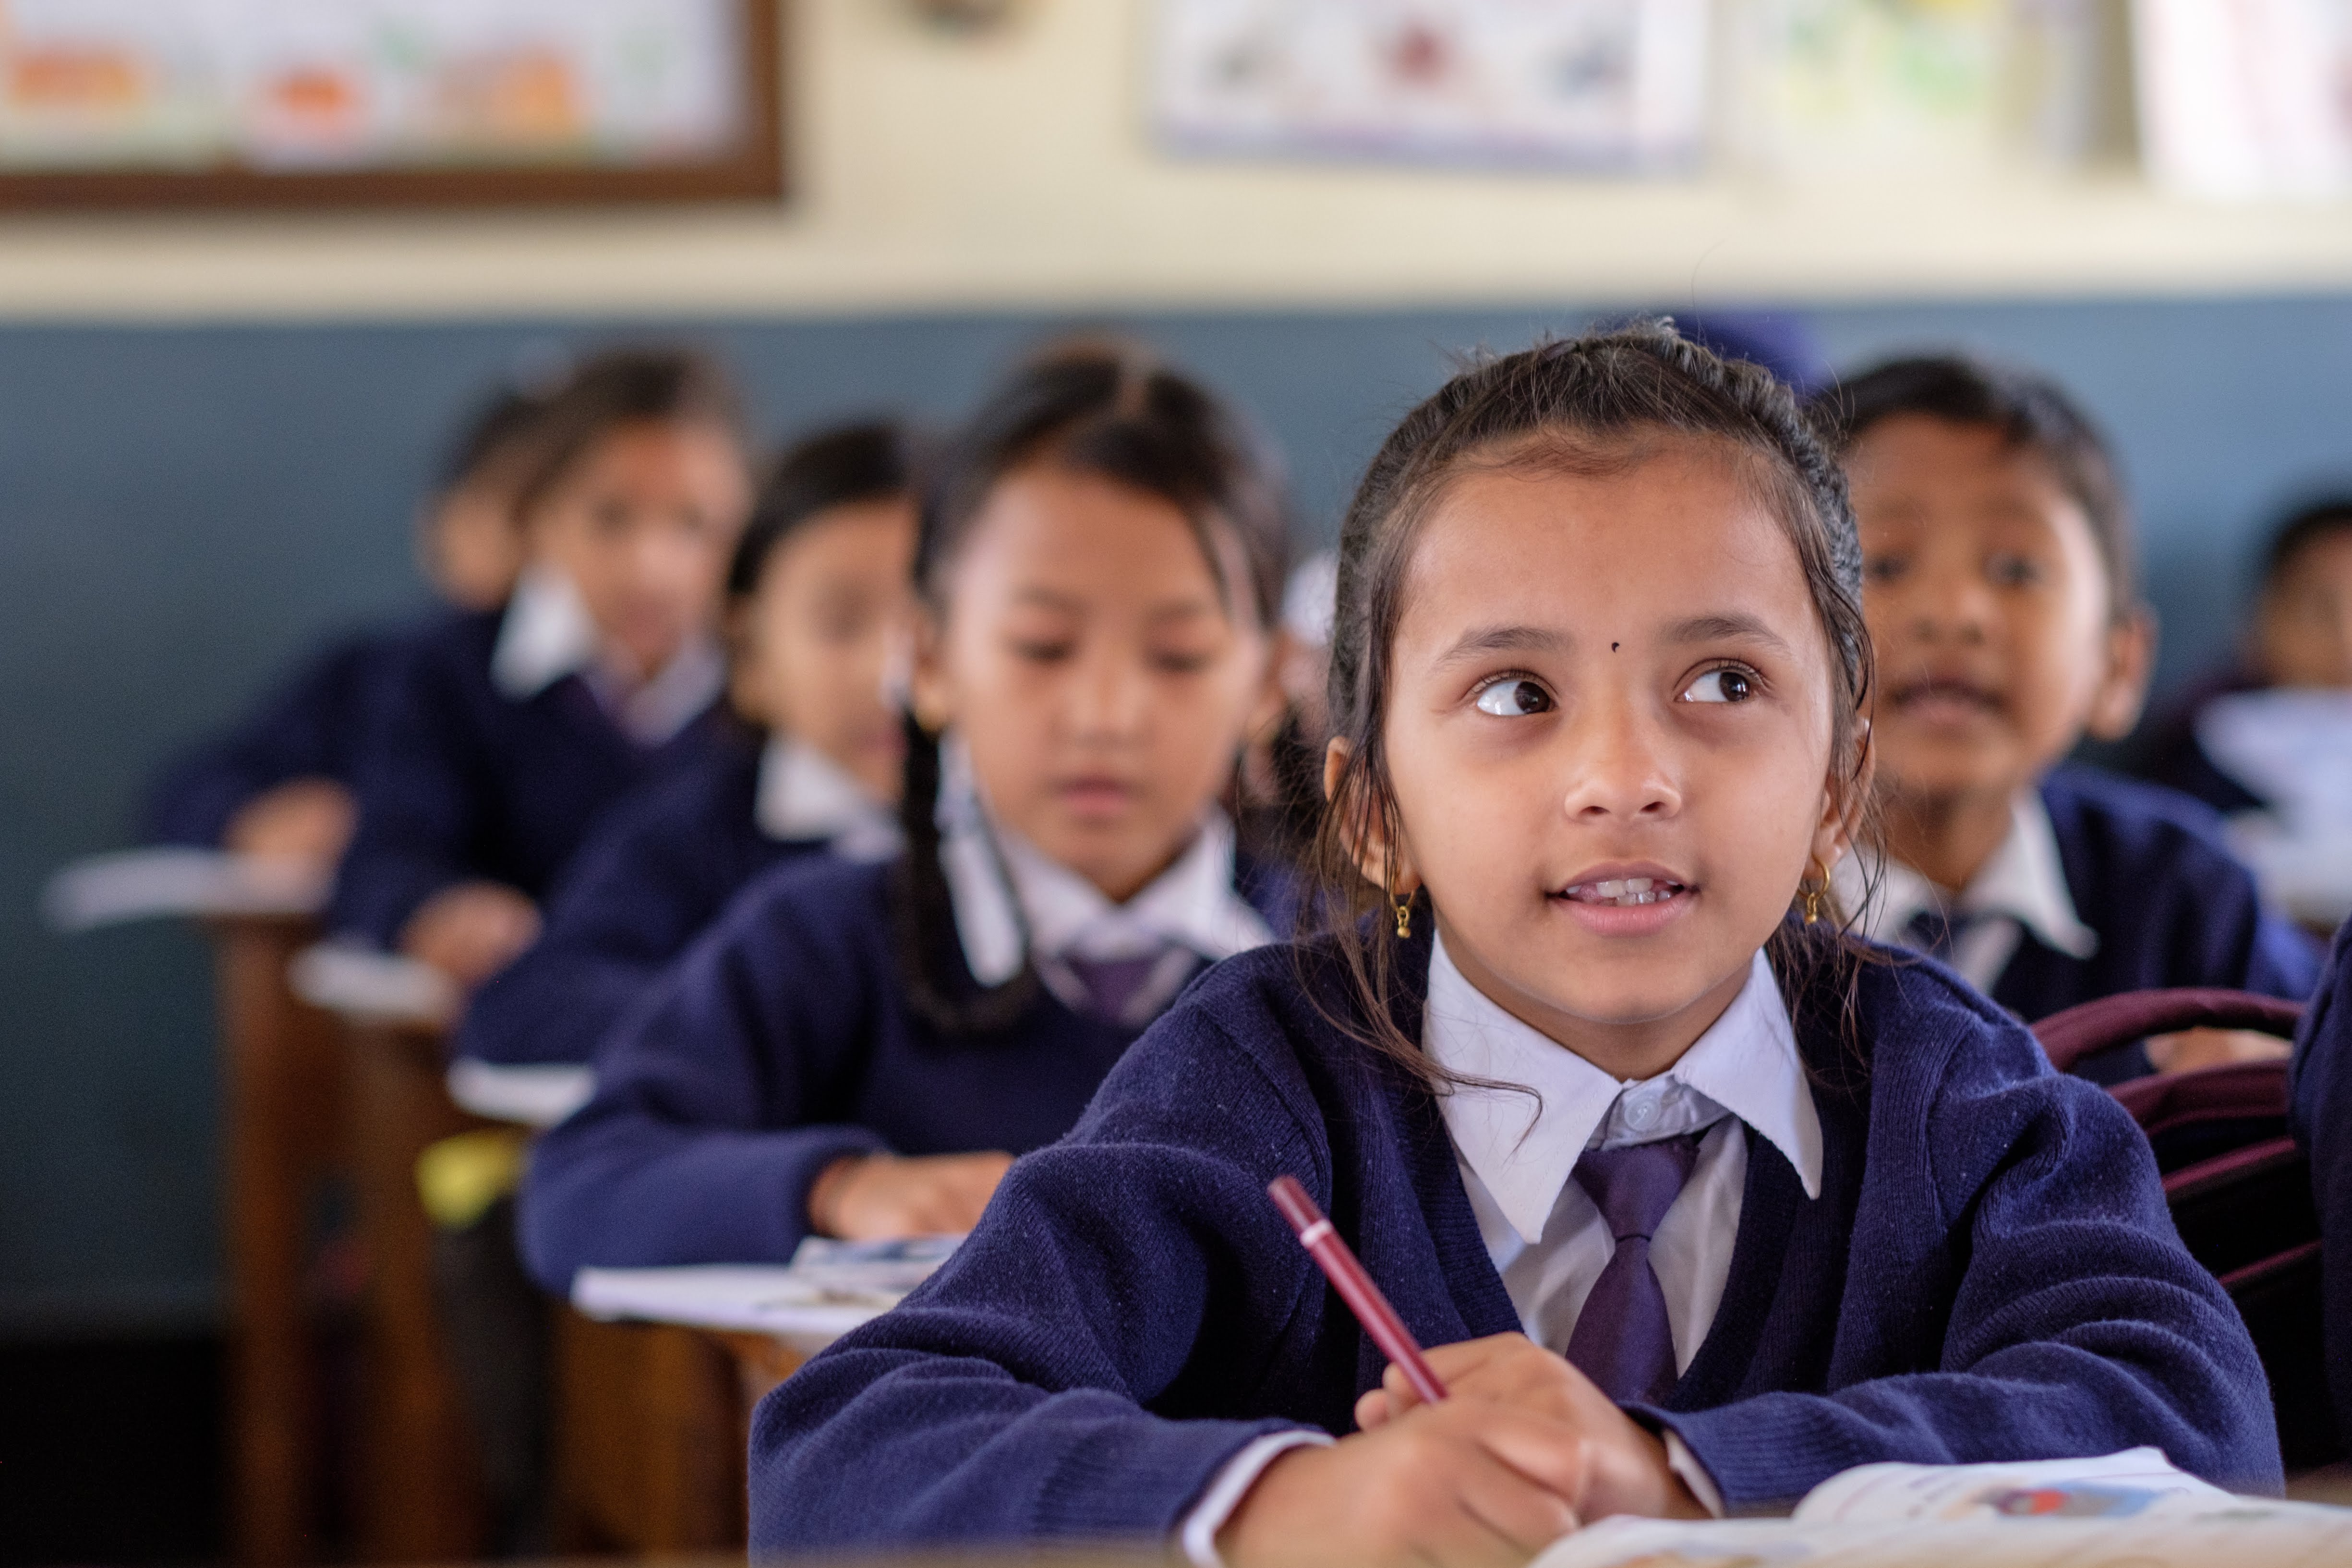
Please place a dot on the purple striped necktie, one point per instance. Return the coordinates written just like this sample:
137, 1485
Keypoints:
1111, 983
1623, 1341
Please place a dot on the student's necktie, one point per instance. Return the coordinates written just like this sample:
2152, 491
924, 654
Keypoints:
1111, 983
1623, 1341
1933, 933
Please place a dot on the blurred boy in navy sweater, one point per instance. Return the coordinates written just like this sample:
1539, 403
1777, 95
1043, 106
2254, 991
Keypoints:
2001, 590
510, 730
280, 783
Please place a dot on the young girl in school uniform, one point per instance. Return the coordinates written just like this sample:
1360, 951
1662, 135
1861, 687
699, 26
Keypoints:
1999, 588
1699, 1199
280, 786
858, 1050
817, 599
510, 730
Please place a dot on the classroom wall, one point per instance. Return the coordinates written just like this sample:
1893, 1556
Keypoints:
1018, 170
184, 508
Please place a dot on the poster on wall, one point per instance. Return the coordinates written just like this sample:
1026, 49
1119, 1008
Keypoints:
289, 100
2246, 99
1915, 87
1605, 85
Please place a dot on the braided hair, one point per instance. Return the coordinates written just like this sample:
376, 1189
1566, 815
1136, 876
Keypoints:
1097, 406
1589, 401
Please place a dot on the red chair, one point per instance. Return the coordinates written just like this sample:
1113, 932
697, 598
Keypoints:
2238, 1189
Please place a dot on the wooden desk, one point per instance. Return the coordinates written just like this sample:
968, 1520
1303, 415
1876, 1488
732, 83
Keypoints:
651, 1426
649, 1440
420, 1497
283, 1097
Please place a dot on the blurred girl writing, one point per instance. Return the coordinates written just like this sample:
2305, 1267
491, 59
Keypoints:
858, 1050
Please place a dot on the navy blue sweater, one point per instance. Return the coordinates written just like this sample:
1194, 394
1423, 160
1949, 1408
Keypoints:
658, 871
778, 1043
2149, 873
2322, 1114
312, 727
1989, 1273
461, 784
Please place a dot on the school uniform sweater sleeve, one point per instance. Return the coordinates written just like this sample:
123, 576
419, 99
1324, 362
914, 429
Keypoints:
698, 1145
417, 793
312, 726
1138, 1263
638, 894
2077, 1324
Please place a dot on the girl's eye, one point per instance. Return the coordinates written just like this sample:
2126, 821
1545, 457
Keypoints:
2013, 570
1514, 699
1172, 662
1042, 652
1884, 568
1721, 686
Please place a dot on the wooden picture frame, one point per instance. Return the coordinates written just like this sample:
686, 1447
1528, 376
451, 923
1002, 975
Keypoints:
752, 171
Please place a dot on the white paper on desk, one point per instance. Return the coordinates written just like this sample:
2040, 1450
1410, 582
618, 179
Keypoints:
171, 882
2259, 1534
829, 1289
2135, 1482
375, 987
536, 1094
2133, 1508
2292, 747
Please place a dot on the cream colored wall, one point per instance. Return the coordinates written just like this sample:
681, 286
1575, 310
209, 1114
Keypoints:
1018, 171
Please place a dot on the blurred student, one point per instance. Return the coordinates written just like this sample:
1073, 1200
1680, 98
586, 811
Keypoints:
817, 596
2300, 639
1694, 1199
511, 730
2000, 589
279, 784
859, 1050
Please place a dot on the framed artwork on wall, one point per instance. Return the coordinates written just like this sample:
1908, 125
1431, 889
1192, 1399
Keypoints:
132, 104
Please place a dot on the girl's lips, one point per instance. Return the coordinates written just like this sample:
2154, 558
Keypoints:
1628, 912
1095, 795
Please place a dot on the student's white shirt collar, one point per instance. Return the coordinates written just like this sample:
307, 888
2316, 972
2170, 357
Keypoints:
2024, 880
548, 634
803, 794
1192, 905
1745, 1064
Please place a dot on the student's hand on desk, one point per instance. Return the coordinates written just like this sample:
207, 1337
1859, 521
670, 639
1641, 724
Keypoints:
470, 932
2193, 1048
309, 820
1621, 1466
881, 1198
1464, 1484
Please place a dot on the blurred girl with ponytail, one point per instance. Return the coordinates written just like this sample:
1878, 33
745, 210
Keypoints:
859, 1050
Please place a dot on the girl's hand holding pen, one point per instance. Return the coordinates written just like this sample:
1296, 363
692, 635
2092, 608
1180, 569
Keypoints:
1623, 1466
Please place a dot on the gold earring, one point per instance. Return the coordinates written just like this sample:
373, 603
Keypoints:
1403, 910
1815, 893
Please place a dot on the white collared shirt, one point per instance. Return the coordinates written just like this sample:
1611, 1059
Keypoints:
548, 634
803, 794
1543, 1233
2021, 886
1188, 913
1546, 1237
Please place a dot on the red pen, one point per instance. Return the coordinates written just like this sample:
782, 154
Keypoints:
1322, 1242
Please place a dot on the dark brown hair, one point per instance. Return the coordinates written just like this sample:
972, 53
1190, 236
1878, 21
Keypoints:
2031, 413
840, 467
626, 386
2308, 525
1092, 407
1588, 404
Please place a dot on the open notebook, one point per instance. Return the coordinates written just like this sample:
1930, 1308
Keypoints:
2131, 1509
829, 1287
